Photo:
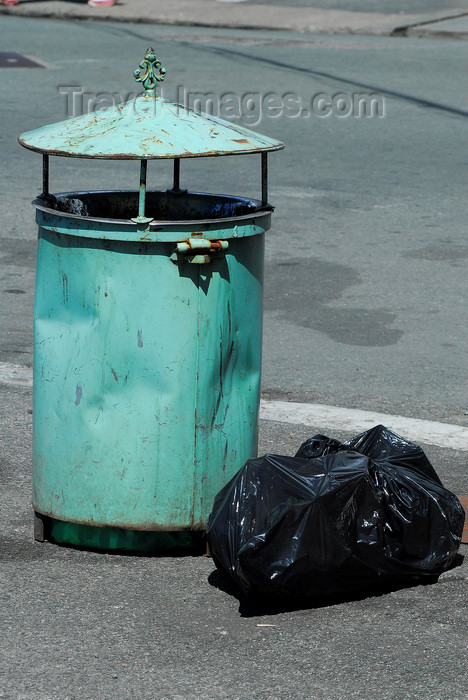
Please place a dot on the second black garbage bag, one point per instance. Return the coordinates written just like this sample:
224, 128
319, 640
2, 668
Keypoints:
335, 518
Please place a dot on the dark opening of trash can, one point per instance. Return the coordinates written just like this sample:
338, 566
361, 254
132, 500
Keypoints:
160, 205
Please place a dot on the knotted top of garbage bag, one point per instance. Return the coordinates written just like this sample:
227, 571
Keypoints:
146, 127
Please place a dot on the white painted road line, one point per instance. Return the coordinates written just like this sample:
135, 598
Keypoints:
319, 416
348, 419
15, 375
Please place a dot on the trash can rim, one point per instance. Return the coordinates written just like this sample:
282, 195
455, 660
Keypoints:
261, 210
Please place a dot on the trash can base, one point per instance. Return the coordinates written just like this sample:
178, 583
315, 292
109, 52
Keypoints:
123, 540
39, 527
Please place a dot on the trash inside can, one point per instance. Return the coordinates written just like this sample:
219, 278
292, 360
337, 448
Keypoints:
148, 321
335, 518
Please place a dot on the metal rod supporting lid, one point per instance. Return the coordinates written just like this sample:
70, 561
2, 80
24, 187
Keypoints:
264, 178
141, 218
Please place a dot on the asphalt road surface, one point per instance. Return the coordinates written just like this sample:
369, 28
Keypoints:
365, 307
365, 275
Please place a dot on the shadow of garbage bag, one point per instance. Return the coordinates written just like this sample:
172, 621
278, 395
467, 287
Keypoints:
336, 518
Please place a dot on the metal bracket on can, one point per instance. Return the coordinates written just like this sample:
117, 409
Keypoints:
199, 250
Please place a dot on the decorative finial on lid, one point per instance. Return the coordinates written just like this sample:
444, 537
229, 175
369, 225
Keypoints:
150, 72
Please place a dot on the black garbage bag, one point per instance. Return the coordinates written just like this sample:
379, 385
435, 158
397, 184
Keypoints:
335, 518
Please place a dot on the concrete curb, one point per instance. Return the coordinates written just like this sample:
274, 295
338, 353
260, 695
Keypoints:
209, 13
447, 29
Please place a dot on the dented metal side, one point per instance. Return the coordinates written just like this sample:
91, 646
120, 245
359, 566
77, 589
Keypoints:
229, 368
146, 375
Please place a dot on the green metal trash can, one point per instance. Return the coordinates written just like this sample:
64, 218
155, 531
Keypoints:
148, 320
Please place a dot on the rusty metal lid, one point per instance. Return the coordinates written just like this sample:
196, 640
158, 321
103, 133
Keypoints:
146, 127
